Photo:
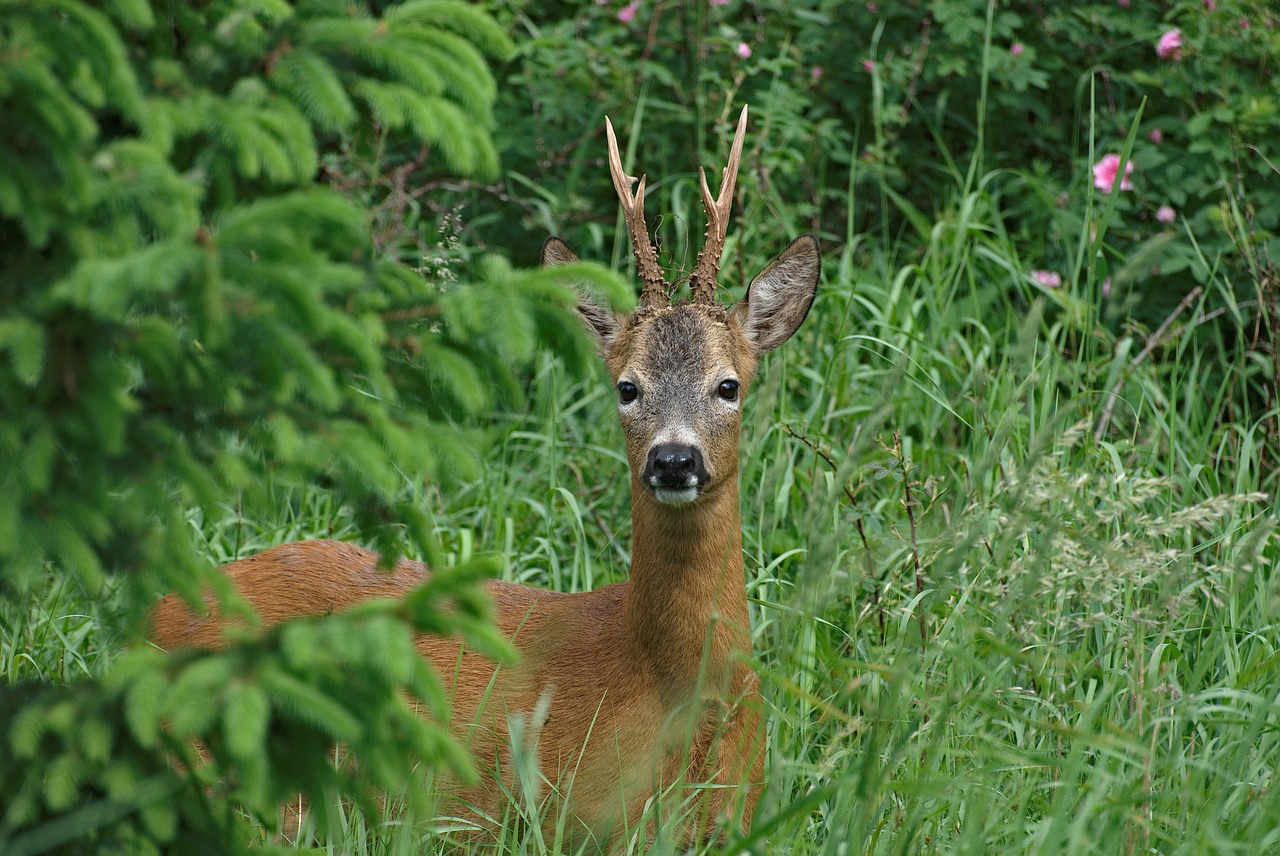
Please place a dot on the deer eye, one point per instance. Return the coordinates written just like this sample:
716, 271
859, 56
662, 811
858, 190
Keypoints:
728, 390
627, 392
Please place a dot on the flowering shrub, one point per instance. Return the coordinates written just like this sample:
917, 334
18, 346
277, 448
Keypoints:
1059, 74
868, 96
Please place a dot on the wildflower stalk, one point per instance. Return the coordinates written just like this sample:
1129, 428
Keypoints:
908, 505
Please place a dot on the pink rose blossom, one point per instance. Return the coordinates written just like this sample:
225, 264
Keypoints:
1016, 49
1104, 174
1047, 278
1166, 214
1156, 136
627, 13
744, 50
869, 66
816, 72
1170, 45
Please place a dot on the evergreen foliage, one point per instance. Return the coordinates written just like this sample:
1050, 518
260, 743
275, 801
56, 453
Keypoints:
189, 317
181, 299
188, 753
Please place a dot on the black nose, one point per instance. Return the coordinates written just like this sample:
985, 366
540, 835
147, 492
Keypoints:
674, 465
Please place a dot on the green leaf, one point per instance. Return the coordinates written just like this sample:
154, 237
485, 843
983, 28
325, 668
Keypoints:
309, 78
27, 730
305, 703
24, 340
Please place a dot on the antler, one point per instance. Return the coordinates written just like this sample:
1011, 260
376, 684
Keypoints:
654, 290
703, 281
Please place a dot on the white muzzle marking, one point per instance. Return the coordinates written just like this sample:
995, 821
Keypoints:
676, 496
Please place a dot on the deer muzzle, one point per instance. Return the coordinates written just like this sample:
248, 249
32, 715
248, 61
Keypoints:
675, 472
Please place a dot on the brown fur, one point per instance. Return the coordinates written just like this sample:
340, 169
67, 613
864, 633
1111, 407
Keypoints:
634, 706
618, 665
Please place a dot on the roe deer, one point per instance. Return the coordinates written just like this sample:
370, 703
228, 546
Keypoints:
648, 680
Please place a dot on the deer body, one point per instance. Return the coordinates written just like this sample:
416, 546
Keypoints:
644, 684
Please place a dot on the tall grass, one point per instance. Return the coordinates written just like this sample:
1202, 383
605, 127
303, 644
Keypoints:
983, 622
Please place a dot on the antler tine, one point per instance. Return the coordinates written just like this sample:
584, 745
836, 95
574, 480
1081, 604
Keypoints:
654, 288
703, 281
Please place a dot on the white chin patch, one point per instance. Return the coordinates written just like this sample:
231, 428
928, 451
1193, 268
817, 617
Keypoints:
675, 495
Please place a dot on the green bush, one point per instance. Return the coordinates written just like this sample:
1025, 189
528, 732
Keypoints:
191, 320
197, 752
911, 107
182, 299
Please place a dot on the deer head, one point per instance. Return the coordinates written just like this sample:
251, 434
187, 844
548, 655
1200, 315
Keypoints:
682, 369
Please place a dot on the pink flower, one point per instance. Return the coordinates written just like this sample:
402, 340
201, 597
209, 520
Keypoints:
627, 13
1244, 23
1170, 45
1210, 5
816, 72
1104, 174
718, 2
1016, 49
872, 8
869, 66
1156, 136
1166, 214
744, 50
1047, 278
1106, 288
1123, 4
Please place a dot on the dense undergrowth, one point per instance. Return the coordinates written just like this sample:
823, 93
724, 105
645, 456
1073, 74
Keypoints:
1011, 545
979, 625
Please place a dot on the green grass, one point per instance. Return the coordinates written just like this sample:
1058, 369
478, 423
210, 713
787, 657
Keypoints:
979, 628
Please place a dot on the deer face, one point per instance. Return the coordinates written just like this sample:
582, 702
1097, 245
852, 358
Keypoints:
680, 376
681, 372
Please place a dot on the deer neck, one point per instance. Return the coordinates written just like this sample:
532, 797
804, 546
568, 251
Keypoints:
686, 612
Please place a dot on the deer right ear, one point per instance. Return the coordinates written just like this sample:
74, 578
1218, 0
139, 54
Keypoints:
602, 322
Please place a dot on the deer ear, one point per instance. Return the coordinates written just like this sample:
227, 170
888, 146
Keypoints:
779, 298
602, 322
557, 252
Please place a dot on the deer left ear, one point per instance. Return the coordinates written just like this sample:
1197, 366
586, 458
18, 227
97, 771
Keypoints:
557, 252
779, 298
602, 321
